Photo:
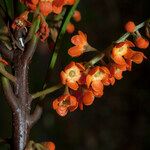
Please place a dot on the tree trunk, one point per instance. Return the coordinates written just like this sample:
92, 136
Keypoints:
21, 129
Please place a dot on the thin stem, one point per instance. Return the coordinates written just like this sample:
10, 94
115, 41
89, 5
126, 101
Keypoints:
10, 97
95, 59
7, 74
35, 116
126, 35
47, 91
121, 39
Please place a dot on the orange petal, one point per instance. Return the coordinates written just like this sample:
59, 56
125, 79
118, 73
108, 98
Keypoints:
88, 98
72, 85
63, 77
129, 64
129, 43
98, 94
75, 51
84, 36
80, 66
118, 45
138, 57
97, 86
70, 65
105, 69
73, 103
88, 80
62, 111
119, 60
118, 75
77, 40
129, 54
55, 104
94, 70
49, 145
57, 10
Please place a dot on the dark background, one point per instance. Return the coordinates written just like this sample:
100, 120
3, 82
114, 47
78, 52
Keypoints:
120, 120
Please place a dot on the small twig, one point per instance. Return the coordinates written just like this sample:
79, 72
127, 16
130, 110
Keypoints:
95, 59
46, 91
7, 53
7, 74
35, 116
5, 141
126, 35
10, 97
101, 55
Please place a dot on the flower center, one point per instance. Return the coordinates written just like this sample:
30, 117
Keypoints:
64, 102
122, 50
97, 74
72, 73
117, 70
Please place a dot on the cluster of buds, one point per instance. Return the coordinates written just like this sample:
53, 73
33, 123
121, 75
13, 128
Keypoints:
47, 6
87, 80
77, 18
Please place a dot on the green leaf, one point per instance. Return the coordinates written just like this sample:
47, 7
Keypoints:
61, 34
10, 8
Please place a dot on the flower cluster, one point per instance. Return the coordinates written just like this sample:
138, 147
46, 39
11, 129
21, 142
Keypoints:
47, 6
70, 26
85, 82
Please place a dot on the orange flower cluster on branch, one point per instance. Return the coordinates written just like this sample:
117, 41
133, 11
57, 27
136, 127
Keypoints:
47, 6
87, 80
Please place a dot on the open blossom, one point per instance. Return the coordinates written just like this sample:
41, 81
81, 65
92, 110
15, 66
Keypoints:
21, 21
96, 78
72, 74
45, 7
65, 103
120, 50
84, 97
32, 4
58, 6
134, 56
80, 42
117, 70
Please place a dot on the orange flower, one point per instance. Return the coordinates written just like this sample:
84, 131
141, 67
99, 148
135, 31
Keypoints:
141, 43
69, 2
77, 16
117, 70
130, 26
119, 51
88, 97
45, 7
49, 145
96, 78
135, 56
58, 5
72, 74
70, 28
21, 21
84, 97
43, 31
32, 4
65, 103
80, 42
